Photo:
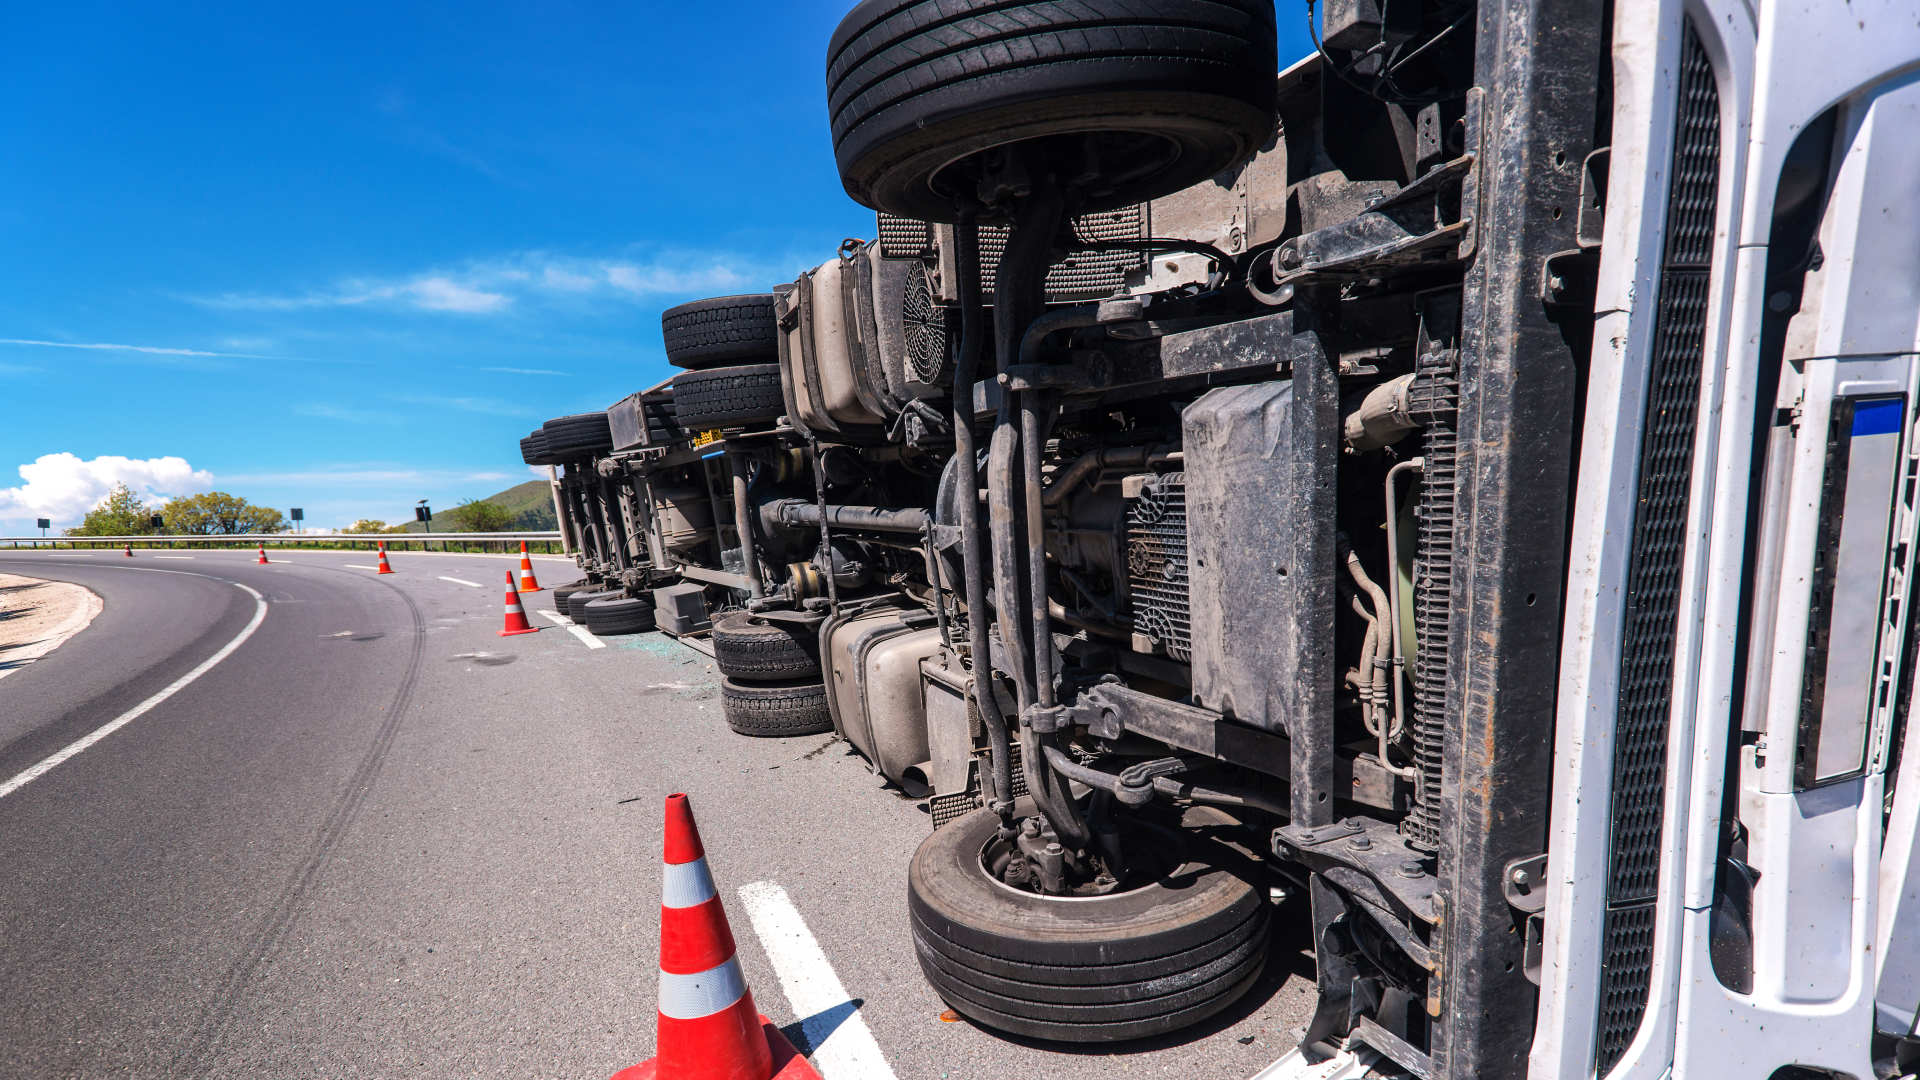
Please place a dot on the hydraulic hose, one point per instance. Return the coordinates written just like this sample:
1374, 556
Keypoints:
966, 244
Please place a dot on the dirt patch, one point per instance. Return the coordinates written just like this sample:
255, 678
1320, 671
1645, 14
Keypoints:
38, 616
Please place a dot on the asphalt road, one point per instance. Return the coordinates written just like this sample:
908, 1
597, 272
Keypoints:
378, 840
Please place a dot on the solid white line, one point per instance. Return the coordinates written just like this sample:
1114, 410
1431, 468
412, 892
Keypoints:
357, 566
458, 581
128, 717
841, 1052
575, 629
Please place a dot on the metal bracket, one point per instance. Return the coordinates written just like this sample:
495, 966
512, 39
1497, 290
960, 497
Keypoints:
1524, 882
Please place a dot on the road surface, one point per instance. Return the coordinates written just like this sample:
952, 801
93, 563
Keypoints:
377, 840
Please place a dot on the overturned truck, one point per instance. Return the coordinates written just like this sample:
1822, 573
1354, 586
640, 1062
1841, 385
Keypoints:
1459, 488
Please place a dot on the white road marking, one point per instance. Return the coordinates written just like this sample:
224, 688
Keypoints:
128, 717
357, 566
575, 629
843, 1051
458, 581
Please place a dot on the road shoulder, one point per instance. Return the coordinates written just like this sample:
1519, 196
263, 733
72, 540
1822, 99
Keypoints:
38, 616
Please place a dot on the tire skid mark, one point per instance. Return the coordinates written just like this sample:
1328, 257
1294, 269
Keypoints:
199, 1051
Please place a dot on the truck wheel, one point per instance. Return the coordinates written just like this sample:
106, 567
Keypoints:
775, 709
1184, 87
728, 396
746, 647
575, 435
577, 602
533, 448
708, 333
619, 615
1149, 960
560, 594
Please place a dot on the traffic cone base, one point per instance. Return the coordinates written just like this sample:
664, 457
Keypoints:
527, 581
384, 568
708, 1027
784, 1062
516, 616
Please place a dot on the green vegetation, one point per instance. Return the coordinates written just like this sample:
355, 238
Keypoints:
121, 513
218, 513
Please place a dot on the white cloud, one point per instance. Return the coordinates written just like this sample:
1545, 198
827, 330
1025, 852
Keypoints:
64, 488
441, 294
666, 281
496, 285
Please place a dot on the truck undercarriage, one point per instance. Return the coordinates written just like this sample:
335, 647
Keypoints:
1210, 489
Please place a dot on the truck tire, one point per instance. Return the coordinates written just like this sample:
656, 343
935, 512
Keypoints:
777, 709
577, 602
915, 85
619, 615
533, 448
728, 397
561, 593
574, 436
1098, 969
746, 647
725, 329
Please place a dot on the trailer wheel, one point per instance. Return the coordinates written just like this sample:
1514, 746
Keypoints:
726, 329
575, 435
1090, 969
561, 593
1184, 87
619, 615
728, 396
577, 601
747, 647
776, 709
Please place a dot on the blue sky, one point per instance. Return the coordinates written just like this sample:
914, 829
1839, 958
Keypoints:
343, 256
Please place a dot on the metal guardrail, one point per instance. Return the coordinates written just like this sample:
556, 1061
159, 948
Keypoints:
412, 541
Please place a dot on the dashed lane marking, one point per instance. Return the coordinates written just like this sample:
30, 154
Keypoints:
75, 748
459, 581
575, 629
842, 1046
357, 566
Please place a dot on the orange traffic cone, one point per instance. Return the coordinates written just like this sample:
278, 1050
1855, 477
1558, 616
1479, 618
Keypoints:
516, 622
527, 583
384, 568
708, 1029
263, 554
129, 551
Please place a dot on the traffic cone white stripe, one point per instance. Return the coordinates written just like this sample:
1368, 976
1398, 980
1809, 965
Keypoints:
515, 609
693, 997
687, 884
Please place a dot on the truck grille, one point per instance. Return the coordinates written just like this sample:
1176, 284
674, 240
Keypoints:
1157, 565
1084, 275
1653, 575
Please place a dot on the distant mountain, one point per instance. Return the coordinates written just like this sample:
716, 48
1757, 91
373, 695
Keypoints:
531, 503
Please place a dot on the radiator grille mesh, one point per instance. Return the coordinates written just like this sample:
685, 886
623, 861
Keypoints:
1157, 565
1435, 400
1653, 574
1085, 275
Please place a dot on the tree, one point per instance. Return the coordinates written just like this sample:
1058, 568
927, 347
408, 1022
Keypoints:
473, 515
121, 513
218, 513
368, 525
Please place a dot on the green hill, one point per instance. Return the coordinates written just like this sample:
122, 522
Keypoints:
531, 503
